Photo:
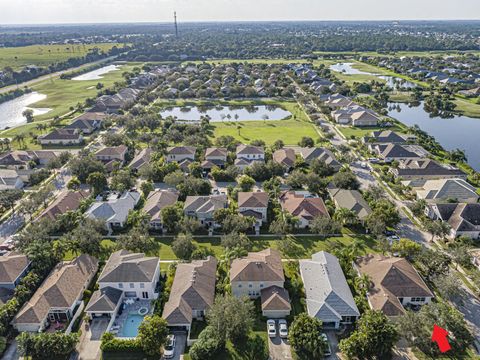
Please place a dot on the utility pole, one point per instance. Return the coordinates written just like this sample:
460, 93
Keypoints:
176, 26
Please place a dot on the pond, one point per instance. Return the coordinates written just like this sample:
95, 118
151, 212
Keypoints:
392, 81
460, 132
227, 113
96, 74
11, 111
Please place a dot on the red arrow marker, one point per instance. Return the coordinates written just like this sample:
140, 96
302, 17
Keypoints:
439, 335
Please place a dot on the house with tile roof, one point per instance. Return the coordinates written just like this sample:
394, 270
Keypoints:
321, 154
88, 122
192, 293
394, 284
351, 200
10, 180
426, 169
303, 205
58, 297
253, 204
260, 275
141, 159
126, 275
62, 137
387, 137
216, 156
112, 153
115, 210
203, 208
180, 153
156, 201
67, 200
328, 296
443, 190
397, 152
285, 157
13, 267
463, 218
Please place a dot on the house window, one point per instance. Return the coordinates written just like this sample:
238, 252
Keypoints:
250, 285
132, 285
120, 285
261, 285
145, 295
142, 286
239, 285
418, 299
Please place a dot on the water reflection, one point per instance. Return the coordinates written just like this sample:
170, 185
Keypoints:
227, 113
457, 132
11, 111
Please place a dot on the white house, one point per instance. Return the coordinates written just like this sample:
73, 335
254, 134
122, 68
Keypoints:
115, 210
125, 275
180, 153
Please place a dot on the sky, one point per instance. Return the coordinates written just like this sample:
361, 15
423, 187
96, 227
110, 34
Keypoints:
97, 11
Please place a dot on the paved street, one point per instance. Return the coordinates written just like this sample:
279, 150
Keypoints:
11, 352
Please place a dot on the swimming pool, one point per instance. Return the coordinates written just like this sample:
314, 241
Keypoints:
130, 327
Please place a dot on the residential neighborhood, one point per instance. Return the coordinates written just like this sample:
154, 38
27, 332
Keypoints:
264, 204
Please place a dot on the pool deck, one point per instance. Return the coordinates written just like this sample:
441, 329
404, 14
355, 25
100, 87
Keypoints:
120, 320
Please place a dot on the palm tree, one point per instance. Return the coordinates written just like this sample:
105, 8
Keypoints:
19, 139
6, 141
345, 216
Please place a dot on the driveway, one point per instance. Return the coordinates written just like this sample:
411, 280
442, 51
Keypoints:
181, 341
333, 341
11, 353
89, 345
279, 348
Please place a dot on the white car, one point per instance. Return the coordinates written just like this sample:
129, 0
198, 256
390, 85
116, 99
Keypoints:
283, 328
169, 349
328, 349
272, 331
364, 165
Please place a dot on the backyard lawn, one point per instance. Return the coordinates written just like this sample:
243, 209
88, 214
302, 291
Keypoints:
44, 55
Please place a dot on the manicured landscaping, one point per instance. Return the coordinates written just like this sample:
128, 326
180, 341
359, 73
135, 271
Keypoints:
290, 131
44, 55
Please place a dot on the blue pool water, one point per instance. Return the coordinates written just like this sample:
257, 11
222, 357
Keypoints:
130, 328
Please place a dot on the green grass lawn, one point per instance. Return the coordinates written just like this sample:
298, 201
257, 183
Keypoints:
467, 107
349, 131
44, 55
63, 94
290, 130
305, 245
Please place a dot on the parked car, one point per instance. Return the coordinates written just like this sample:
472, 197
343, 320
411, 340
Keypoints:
169, 350
328, 349
272, 331
374, 160
283, 328
364, 165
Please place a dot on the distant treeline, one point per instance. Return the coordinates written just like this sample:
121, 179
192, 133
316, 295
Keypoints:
13, 94
11, 76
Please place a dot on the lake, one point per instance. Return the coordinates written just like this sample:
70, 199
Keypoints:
11, 111
392, 81
96, 74
460, 132
220, 113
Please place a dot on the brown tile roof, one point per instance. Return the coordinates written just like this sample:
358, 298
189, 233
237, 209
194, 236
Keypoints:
181, 150
158, 200
62, 134
275, 298
285, 157
141, 159
265, 265
253, 199
12, 266
66, 201
112, 151
193, 288
63, 286
92, 116
215, 152
304, 207
391, 278
249, 149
